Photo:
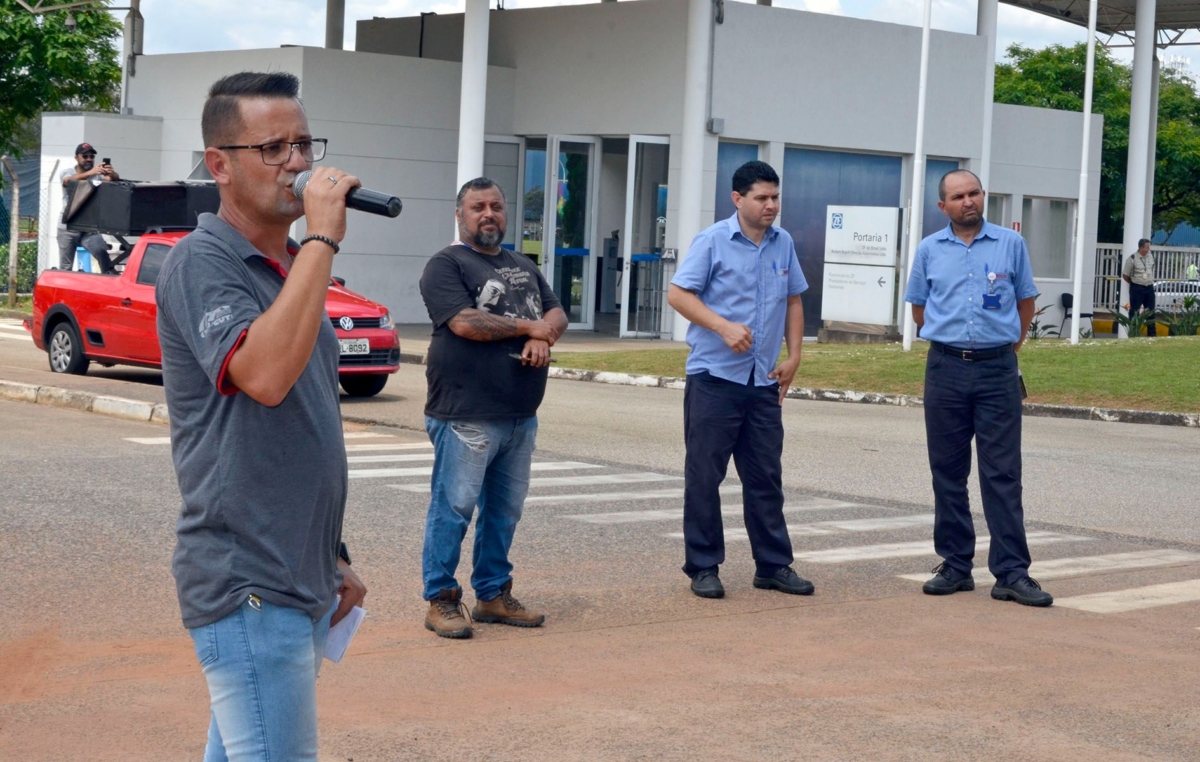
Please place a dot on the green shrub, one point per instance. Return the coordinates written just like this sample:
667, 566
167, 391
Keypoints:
26, 266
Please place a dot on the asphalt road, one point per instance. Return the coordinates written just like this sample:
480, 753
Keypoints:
95, 665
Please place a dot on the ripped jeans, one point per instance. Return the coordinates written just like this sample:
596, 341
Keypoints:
484, 463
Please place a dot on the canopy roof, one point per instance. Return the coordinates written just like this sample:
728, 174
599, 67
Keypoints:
1171, 18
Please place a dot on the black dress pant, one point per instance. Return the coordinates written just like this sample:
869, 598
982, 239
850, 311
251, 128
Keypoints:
1143, 297
980, 400
720, 419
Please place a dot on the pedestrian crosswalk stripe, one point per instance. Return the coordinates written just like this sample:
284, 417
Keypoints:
1134, 599
365, 435
390, 458
382, 473
836, 527
674, 514
670, 493
1059, 568
15, 337
149, 440
567, 481
381, 447
916, 549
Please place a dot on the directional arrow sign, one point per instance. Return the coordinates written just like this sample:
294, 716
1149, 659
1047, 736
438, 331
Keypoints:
881, 282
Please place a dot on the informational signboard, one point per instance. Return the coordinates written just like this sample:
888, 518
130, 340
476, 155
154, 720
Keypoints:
861, 246
858, 294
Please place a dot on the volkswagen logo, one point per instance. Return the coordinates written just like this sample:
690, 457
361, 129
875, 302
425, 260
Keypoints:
346, 323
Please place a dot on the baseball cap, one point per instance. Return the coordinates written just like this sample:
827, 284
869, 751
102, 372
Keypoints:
84, 148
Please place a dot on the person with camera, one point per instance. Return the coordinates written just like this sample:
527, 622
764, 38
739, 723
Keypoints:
85, 168
250, 371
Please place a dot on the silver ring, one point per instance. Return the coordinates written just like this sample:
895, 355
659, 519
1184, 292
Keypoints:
333, 179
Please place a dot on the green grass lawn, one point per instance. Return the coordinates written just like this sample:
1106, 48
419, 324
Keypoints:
1142, 374
24, 304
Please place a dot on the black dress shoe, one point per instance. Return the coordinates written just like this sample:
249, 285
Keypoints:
946, 581
1025, 591
707, 584
786, 580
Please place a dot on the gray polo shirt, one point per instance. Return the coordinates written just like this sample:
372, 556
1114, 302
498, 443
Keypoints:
263, 488
1139, 269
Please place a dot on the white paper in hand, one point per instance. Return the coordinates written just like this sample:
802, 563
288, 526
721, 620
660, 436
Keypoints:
342, 633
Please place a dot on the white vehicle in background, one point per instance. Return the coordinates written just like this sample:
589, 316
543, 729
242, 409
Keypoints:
1169, 294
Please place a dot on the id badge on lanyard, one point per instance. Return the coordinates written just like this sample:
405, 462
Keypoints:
991, 300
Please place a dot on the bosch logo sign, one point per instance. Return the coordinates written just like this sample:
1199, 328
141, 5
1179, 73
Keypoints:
346, 323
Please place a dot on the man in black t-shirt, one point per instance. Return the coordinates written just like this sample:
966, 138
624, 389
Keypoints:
494, 321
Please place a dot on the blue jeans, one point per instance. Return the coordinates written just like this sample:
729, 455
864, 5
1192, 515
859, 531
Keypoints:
261, 664
484, 463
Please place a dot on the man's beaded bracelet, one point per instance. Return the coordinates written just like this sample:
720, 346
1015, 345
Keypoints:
323, 239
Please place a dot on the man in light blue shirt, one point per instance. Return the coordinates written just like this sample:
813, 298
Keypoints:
740, 287
973, 295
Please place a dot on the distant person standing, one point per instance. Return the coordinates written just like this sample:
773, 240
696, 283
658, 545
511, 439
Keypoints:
973, 295
740, 287
1193, 272
85, 169
1138, 272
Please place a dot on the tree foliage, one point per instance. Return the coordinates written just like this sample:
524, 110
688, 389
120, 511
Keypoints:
1053, 77
43, 67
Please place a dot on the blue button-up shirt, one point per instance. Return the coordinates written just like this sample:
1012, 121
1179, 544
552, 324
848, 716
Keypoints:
950, 279
745, 283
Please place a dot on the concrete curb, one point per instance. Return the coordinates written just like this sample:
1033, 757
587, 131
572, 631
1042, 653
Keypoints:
138, 410
86, 402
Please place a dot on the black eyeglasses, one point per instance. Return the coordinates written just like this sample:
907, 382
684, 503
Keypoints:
274, 154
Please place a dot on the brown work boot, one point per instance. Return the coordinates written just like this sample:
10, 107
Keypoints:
447, 615
505, 609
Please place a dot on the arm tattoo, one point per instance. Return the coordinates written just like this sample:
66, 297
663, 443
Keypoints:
476, 325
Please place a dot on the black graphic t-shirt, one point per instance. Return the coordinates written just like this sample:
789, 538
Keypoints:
480, 379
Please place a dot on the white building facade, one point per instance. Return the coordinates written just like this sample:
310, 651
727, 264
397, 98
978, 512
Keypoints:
584, 131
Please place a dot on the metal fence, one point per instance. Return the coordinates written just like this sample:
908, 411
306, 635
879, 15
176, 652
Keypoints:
651, 278
1170, 264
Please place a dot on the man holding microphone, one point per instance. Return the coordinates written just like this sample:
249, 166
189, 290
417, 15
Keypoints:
250, 366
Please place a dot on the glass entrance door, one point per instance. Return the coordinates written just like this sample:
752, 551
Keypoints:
568, 231
645, 272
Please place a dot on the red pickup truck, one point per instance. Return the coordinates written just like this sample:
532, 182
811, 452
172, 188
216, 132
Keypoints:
109, 318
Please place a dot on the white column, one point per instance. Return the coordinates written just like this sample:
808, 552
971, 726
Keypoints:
1081, 208
916, 205
335, 23
691, 159
473, 103
1136, 225
985, 26
1152, 149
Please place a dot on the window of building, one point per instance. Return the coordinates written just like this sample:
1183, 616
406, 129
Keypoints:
730, 156
1046, 225
999, 209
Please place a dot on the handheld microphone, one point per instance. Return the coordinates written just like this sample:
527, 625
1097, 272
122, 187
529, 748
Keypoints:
372, 202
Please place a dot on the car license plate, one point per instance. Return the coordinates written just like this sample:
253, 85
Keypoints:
355, 346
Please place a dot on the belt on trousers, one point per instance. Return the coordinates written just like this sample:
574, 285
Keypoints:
972, 355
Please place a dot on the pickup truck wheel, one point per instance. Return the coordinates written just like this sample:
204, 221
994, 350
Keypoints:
364, 386
66, 350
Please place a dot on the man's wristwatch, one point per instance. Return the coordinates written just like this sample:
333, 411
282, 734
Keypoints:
343, 553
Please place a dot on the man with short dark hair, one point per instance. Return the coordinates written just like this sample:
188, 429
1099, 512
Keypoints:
1138, 272
494, 320
250, 363
973, 296
740, 287
85, 169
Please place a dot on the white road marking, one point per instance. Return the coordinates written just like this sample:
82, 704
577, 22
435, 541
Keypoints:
836, 527
1059, 568
382, 473
365, 435
390, 458
915, 549
670, 493
149, 440
674, 514
13, 326
1134, 599
379, 447
568, 481
26, 337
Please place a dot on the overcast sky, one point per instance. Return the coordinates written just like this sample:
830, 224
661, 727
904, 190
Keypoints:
180, 26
